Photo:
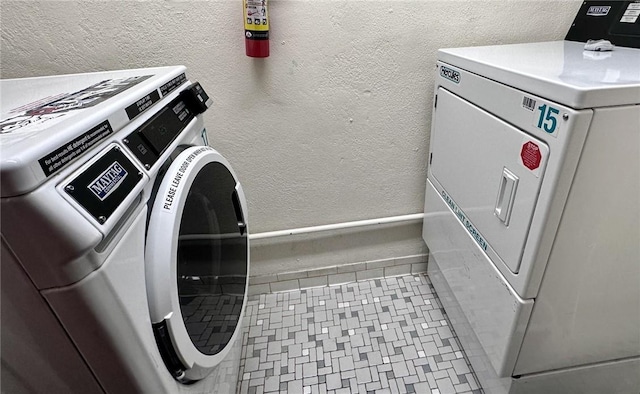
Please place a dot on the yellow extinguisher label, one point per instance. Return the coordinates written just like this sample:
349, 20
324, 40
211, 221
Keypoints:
256, 17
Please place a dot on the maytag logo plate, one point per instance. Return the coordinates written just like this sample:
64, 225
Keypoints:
108, 181
450, 74
599, 10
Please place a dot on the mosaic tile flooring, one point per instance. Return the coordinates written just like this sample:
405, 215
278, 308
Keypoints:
387, 335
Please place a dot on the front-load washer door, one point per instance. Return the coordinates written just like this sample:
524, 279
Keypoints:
197, 262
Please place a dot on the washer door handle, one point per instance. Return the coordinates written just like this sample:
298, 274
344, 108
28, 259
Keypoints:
242, 224
506, 196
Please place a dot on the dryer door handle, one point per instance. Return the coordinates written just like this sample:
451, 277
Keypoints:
506, 196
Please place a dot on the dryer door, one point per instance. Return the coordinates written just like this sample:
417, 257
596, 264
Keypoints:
197, 262
489, 173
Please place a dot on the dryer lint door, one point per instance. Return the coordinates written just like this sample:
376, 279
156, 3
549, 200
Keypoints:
489, 174
197, 262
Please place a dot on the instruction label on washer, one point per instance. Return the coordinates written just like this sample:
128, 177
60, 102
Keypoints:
142, 104
173, 84
58, 158
172, 191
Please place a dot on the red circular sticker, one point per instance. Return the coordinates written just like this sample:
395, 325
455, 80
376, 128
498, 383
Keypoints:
530, 155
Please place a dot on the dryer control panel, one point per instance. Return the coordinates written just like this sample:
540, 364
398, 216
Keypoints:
615, 21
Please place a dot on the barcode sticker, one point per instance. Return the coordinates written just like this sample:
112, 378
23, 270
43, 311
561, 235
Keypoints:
529, 103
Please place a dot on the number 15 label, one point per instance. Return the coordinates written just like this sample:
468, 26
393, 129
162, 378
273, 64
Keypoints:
546, 119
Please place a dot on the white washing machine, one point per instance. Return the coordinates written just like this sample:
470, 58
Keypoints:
532, 207
125, 252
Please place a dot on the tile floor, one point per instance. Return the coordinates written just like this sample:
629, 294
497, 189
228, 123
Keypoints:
387, 335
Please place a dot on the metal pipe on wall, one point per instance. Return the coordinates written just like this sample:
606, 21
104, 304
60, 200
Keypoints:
338, 226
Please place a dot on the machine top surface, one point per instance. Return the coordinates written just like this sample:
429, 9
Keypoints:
49, 122
561, 71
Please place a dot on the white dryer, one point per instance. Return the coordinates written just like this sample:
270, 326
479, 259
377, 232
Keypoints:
125, 252
532, 213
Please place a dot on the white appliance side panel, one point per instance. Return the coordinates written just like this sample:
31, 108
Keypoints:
496, 314
37, 355
107, 316
471, 152
64, 238
588, 308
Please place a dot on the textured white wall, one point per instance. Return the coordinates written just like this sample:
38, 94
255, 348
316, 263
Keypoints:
332, 127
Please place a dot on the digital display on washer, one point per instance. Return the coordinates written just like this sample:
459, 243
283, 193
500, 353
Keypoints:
149, 141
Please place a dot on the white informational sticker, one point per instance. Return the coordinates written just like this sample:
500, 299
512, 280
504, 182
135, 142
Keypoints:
629, 19
631, 14
529, 103
547, 118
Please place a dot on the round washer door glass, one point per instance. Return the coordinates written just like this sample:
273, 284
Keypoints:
197, 260
212, 260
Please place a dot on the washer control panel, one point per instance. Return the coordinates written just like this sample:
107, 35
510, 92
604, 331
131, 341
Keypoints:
152, 138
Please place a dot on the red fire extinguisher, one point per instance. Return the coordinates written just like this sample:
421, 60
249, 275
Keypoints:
256, 28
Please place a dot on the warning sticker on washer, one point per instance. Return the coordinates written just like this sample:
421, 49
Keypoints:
172, 191
56, 107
